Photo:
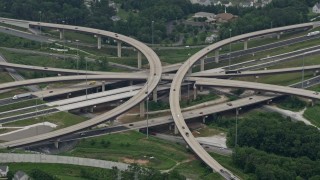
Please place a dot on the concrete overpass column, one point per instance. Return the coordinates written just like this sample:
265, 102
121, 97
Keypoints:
313, 102
155, 94
216, 56
103, 86
91, 109
111, 122
56, 144
278, 35
204, 119
99, 41
61, 34
245, 44
139, 60
142, 109
119, 48
131, 83
315, 73
176, 131
202, 64
269, 101
194, 92
170, 126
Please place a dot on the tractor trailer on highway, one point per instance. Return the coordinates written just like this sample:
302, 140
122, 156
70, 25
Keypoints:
313, 33
19, 96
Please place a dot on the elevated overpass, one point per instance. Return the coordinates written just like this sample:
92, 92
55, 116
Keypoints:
236, 73
176, 88
154, 77
60, 70
117, 76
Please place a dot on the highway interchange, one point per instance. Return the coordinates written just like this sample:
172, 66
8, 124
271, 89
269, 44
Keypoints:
153, 77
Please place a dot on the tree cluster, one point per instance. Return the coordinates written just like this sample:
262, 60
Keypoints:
270, 166
272, 133
277, 13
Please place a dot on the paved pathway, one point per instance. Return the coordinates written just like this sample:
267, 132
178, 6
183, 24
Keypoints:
42, 158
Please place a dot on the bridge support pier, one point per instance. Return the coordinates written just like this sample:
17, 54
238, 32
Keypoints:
313, 102
176, 131
91, 109
278, 35
119, 48
315, 73
103, 87
269, 101
61, 34
245, 44
216, 56
204, 119
56, 144
142, 109
139, 60
194, 92
155, 94
202, 64
111, 122
99, 41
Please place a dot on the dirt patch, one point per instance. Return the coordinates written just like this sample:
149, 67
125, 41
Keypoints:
137, 161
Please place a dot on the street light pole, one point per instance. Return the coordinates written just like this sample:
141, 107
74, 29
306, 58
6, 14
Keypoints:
302, 78
189, 74
147, 109
152, 32
236, 138
230, 48
78, 55
86, 79
40, 27
64, 41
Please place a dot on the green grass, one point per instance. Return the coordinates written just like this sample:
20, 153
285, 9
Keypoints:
292, 103
71, 35
280, 79
313, 115
315, 88
160, 105
209, 131
19, 105
172, 56
62, 171
5, 77
62, 119
197, 170
200, 99
131, 145
13, 27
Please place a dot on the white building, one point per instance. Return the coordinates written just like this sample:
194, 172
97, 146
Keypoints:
20, 175
316, 8
209, 16
4, 171
201, 2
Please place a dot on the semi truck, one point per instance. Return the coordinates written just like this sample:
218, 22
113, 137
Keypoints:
19, 96
313, 33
